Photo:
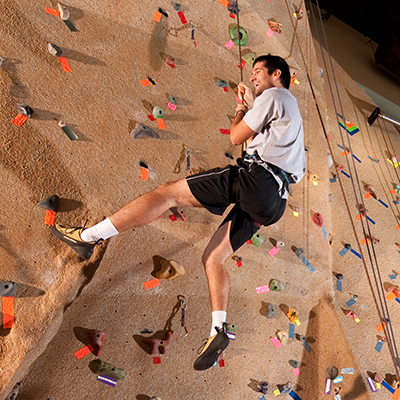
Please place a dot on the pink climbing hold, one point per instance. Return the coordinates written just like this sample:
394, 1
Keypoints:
158, 346
97, 339
317, 219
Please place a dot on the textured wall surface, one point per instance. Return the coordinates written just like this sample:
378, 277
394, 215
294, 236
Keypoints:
60, 296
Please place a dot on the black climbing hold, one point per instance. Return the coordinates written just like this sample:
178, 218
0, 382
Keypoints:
229, 155
162, 12
177, 6
348, 246
263, 387
151, 80
51, 203
143, 164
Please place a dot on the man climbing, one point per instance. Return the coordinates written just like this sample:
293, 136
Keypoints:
271, 127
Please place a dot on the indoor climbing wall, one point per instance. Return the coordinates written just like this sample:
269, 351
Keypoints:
123, 96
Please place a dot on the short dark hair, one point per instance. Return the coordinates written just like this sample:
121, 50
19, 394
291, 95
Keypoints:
272, 63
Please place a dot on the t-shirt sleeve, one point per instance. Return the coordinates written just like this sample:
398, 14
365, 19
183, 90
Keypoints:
261, 113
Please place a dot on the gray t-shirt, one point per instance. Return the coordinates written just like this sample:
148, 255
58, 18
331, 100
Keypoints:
279, 138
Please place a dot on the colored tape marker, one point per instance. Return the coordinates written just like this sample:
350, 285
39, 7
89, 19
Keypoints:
276, 342
225, 131
182, 17
229, 44
270, 32
8, 312
338, 285
347, 371
273, 252
52, 11
292, 328
262, 289
145, 82
307, 347
161, 123
338, 379
64, 64
107, 380
356, 254
308, 265
156, 360
157, 16
328, 386
172, 106
296, 372
294, 395
83, 352
50, 217
372, 384
350, 302
151, 284
19, 119
370, 220
378, 346
357, 158
144, 173
387, 386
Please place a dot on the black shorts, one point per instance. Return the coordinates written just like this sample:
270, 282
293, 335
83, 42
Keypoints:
251, 187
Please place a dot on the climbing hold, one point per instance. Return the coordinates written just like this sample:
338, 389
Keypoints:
282, 336
67, 130
275, 285
158, 112
301, 338
172, 99
158, 346
25, 110
64, 12
263, 387
169, 60
97, 339
141, 130
299, 253
221, 83
257, 239
286, 388
100, 367
371, 190
233, 8
377, 377
237, 35
275, 26
1, 61
8, 289
394, 289
177, 6
270, 311
317, 219
14, 392
339, 277
332, 372
293, 314
294, 363
299, 14
170, 269
249, 58
50, 203
55, 50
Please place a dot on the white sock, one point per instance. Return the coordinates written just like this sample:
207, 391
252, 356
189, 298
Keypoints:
103, 230
218, 318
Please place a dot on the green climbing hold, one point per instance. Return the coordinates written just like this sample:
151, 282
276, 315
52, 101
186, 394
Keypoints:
242, 35
249, 58
257, 239
158, 112
275, 285
100, 367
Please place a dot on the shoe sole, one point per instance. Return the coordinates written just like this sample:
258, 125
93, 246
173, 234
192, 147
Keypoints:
84, 250
211, 354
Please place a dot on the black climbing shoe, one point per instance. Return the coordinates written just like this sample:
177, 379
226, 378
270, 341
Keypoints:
212, 350
72, 236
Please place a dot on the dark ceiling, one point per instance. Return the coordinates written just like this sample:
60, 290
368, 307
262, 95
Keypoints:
378, 20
